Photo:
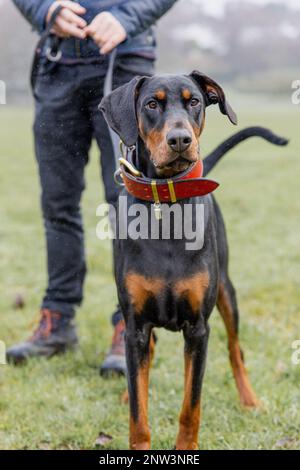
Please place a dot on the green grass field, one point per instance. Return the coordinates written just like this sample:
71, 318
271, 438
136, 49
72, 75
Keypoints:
63, 403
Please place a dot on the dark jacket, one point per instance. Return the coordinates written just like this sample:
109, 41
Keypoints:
137, 17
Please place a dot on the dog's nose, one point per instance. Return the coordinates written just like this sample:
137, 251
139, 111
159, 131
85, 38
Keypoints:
179, 140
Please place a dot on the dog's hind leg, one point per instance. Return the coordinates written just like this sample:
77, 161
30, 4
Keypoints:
227, 306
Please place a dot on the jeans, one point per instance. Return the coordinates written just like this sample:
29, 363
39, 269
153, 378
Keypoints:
66, 120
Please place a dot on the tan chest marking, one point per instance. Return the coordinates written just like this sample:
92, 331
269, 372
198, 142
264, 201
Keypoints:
141, 288
193, 289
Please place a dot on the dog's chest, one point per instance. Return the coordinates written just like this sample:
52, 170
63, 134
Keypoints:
166, 289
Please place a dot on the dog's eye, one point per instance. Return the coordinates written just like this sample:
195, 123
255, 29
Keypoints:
194, 102
152, 104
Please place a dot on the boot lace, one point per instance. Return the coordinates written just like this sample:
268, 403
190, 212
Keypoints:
45, 325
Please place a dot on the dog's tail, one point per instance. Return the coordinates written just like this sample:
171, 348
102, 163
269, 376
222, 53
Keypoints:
214, 157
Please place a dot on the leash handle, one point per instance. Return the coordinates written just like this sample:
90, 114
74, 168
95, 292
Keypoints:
40, 45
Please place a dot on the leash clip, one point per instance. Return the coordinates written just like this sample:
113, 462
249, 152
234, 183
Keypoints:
129, 167
53, 56
118, 178
124, 150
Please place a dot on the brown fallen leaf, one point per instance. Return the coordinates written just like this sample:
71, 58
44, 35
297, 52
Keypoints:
103, 439
288, 442
44, 446
18, 302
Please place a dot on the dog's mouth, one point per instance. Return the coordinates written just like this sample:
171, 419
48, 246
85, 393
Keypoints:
179, 165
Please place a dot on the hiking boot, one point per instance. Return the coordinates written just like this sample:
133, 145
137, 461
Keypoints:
54, 334
115, 361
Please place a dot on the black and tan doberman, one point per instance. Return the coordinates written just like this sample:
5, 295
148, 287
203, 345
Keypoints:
160, 283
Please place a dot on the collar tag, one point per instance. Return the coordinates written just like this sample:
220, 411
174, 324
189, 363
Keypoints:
157, 210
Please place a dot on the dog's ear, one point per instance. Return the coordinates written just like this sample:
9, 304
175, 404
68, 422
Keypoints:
120, 111
214, 94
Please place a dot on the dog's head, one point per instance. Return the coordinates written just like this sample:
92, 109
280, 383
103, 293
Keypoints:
167, 113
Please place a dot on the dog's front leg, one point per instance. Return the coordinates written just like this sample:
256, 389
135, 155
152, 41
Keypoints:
138, 363
196, 340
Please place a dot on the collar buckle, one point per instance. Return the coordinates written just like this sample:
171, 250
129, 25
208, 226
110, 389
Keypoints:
129, 167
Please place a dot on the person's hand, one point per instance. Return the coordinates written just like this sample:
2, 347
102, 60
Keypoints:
68, 22
106, 31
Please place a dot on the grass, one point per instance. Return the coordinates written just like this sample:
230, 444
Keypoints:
63, 403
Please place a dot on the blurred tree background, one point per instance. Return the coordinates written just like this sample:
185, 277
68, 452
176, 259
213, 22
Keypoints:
251, 44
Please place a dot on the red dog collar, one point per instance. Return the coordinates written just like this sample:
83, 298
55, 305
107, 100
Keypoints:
185, 185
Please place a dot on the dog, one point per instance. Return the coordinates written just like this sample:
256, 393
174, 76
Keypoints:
160, 283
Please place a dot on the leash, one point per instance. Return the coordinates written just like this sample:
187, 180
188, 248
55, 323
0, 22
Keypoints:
108, 88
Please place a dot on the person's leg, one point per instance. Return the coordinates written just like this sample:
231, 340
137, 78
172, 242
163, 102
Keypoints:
62, 144
62, 139
125, 70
